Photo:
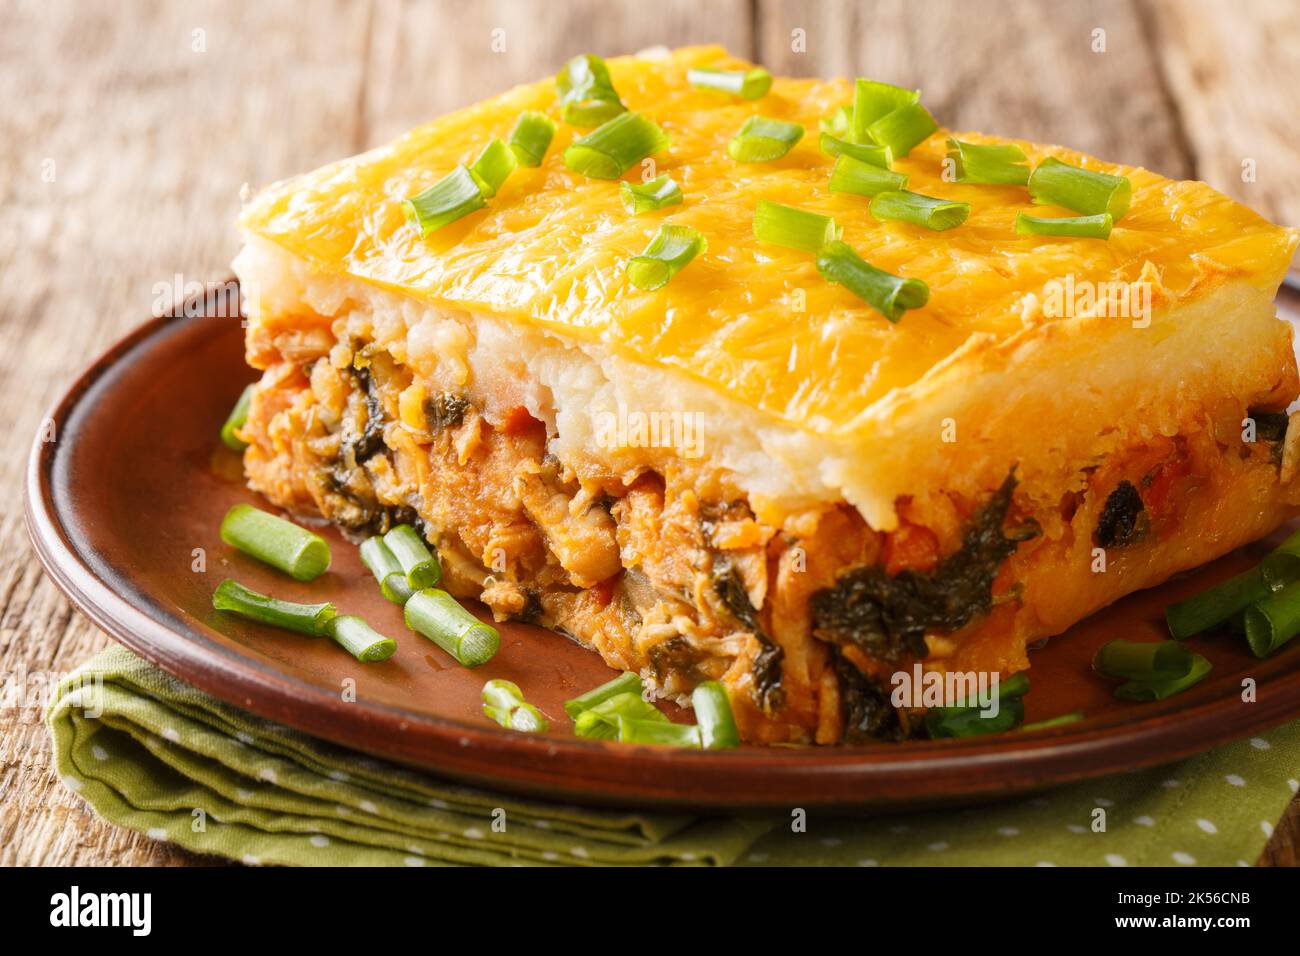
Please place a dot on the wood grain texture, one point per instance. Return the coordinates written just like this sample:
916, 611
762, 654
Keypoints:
127, 135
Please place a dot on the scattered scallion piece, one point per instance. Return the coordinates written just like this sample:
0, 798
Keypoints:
417, 561
995, 165
587, 94
1054, 183
493, 166
1073, 717
437, 616
1282, 566
714, 717
793, 227
609, 151
851, 175
1215, 606
531, 137
1077, 227
1160, 689
601, 721
862, 152
309, 619
1143, 661
383, 564
504, 702
659, 193
762, 140
1272, 622
360, 639
236, 420
669, 251
967, 719
890, 295
873, 100
903, 129
664, 733
453, 197
625, 683
747, 84
839, 124
279, 543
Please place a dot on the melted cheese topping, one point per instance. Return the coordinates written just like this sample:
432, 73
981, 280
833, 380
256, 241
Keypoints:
756, 322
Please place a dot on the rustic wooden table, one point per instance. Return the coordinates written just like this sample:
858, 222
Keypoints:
127, 129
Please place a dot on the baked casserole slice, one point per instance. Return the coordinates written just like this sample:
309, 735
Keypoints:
749, 474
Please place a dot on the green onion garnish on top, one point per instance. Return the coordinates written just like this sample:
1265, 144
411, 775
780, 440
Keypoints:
862, 152
309, 619
625, 683
713, 715
1075, 227
236, 420
587, 94
1160, 689
600, 722
360, 639
965, 718
493, 166
747, 84
383, 564
504, 702
669, 251
661, 732
903, 129
1282, 566
1073, 717
998, 165
612, 149
658, 193
437, 616
890, 295
851, 175
839, 124
1054, 183
1273, 621
902, 206
1143, 660
454, 196
762, 140
1216, 605
531, 137
412, 553
873, 100
792, 227
279, 543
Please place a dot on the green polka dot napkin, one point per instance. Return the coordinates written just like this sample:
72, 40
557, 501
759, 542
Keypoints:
150, 753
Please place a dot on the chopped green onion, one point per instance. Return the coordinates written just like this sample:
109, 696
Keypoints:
839, 124
454, 196
493, 166
531, 137
587, 94
1054, 183
863, 179
236, 420
659, 193
996, 165
890, 295
417, 561
1160, 689
609, 151
1216, 605
664, 733
360, 639
903, 129
624, 683
862, 152
1282, 565
747, 84
762, 139
669, 251
279, 543
309, 619
792, 227
437, 616
1273, 621
1072, 717
713, 715
943, 722
1143, 661
383, 564
873, 100
601, 721
1078, 227
901, 206
503, 702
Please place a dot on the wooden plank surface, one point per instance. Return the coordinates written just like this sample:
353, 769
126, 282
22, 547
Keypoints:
130, 127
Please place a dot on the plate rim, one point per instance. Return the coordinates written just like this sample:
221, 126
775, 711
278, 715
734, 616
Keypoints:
603, 774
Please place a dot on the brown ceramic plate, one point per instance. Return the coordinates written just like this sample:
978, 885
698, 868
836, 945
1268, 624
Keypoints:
136, 480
